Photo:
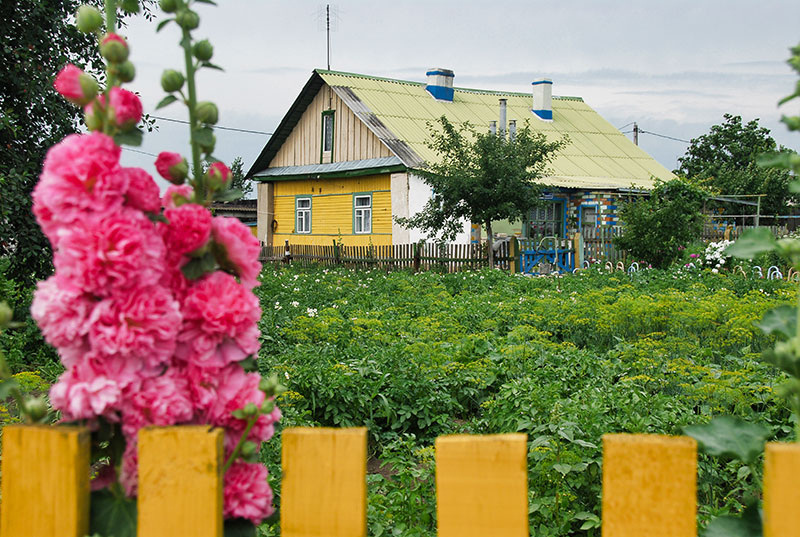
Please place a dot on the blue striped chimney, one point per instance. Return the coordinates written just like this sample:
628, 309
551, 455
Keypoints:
440, 84
543, 99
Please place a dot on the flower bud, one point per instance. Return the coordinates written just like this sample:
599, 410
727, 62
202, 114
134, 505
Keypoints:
36, 409
203, 50
88, 19
250, 410
126, 71
75, 85
188, 19
218, 175
792, 122
267, 406
209, 147
168, 6
5, 314
93, 117
207, 112
114, 48
172, 167
130, 6
248, 449
171, 80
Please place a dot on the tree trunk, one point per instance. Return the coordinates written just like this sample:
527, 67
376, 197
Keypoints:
489, 244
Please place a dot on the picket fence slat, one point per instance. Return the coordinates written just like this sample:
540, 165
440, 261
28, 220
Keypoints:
180, 482
45, 487
324, 486
649, 486
482, 485
781, 493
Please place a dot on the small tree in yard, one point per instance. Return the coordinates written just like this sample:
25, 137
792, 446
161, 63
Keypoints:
656, 227
482, 177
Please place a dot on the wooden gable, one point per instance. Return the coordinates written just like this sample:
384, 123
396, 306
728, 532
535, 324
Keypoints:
352, 140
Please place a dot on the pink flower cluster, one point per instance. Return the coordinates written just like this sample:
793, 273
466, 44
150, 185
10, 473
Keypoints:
142, 344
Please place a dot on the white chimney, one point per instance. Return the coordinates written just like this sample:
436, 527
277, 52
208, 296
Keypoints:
440, 84
543, 99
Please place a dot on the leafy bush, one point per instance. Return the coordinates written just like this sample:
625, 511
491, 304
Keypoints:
657, 228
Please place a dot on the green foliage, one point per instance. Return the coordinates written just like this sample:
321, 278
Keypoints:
726, 160
37, 41
729, 436
481, 177
658, 227
413, 356
112, 514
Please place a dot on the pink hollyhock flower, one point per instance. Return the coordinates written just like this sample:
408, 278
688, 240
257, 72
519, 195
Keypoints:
176, 193
247, 493
172, 167
138, 324
189, 228
126, 373
129, 470
143, 193
81, 175
219, 174
241, 249
163, 400
75, 85
114, 48
120, 251
105, 476
82, 396
61, 311
126, 105
219, 322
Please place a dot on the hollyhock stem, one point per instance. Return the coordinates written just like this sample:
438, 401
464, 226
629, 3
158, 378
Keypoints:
186, 43
238, 448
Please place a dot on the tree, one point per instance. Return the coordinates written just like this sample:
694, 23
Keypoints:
724, 160
238, 181
37, 41
481, 177
657, 226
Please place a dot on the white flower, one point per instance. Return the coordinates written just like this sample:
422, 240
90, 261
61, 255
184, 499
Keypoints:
278, 306
312, 312
295, 303
715, 271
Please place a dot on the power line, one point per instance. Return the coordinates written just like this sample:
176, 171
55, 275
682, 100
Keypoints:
138, 151
664, 136
215, 126
625, 125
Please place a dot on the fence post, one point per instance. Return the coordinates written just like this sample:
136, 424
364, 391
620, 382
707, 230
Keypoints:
513, 253
482, 485
577, 245
180, 481
417, 254
324, 486
45, 486
287, 252
649, 486
781, 493
336, 255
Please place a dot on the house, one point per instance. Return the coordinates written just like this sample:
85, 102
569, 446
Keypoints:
341, 164
243, 209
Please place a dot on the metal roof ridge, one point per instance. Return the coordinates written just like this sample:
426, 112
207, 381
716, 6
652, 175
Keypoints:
466, 90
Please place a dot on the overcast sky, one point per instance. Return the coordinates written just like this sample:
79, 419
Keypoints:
674, 66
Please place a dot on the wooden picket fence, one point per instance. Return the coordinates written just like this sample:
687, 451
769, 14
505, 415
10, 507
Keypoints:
648, 484
416, 256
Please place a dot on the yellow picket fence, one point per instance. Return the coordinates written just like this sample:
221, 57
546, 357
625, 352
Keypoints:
649, 484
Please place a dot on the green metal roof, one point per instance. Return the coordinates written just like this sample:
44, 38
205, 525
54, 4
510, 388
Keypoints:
398, 112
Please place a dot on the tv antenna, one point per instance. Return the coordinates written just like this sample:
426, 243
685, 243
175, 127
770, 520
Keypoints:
328, 19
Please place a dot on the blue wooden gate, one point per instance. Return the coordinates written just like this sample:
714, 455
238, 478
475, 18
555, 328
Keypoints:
554, 251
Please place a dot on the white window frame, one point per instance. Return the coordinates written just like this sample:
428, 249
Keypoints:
362, 215
302, 215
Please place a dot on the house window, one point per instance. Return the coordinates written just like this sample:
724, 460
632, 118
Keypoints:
327, 136
302, 210
546, 220
362, 214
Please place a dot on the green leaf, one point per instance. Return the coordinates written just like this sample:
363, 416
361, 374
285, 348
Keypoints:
211, 66
169, 99
749, 525
562, 468
794, 186
249, 364
6, 386
112, 516
199, 267
206, 2
238, 527
204, 136
774, 160
780, 321
157, 217
162, 24
752, 242
132, 137
228, 195
729, 436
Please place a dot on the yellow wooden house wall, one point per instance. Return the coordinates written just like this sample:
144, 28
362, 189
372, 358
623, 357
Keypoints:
352, 140
332, 210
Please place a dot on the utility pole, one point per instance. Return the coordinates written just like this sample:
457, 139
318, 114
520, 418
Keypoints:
328, 25
635, 133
